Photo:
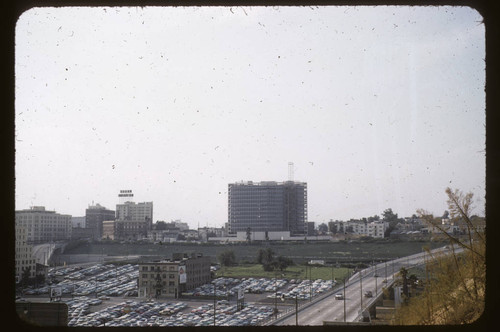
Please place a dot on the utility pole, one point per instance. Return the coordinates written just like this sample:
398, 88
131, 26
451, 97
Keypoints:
275, 298
214, 304
344, 302
296, 311
310, 284
386, 270
361, 287
333, 283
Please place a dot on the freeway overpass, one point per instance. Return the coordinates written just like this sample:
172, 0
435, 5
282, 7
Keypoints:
43, 252
349, 309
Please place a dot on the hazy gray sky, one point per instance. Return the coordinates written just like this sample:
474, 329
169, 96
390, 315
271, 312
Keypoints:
377, 107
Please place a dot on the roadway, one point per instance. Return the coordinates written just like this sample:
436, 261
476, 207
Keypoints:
350, 308
42, 252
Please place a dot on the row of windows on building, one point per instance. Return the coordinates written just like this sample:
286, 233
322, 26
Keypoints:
154, 276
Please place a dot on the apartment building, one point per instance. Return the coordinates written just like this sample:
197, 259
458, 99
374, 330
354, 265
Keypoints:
374, 229
170, 278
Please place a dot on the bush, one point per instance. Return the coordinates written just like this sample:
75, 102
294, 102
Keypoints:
227, 258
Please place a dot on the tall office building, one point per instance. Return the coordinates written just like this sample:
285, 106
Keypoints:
133, 220
94, 216
267, 207
134, 211
44, 226
24, 255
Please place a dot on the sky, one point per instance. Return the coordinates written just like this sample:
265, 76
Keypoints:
377, 107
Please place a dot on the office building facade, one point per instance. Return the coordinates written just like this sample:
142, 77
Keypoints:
44, 226
94, 216
24, 259
267, 207
133, 220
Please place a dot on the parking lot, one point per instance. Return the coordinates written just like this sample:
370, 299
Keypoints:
106, 295
151, 313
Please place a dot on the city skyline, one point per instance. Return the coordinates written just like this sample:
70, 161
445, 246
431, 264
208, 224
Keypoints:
377, 107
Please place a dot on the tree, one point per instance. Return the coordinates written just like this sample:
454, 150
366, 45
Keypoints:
392, 219
270, 263
412, 281
323, 228
283, 262
265, 256
160, 225
455, 283
227, 258
249, 234
404, 276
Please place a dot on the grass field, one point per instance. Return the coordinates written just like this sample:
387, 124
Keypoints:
292, 272
299, 252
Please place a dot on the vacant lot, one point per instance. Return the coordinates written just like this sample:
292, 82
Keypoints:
299, 252
291, 272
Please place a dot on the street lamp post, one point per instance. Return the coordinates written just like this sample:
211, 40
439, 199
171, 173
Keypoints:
275, 298
214, 303
385, 270
310, 284
361, 287
344, 302
332, 276
296, 311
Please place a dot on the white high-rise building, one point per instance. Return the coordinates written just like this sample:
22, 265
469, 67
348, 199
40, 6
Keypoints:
134, 211
133, 220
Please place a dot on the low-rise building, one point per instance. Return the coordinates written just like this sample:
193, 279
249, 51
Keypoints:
131, 229
374, 229
207, 232
163, 235
108, 229
170, 278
